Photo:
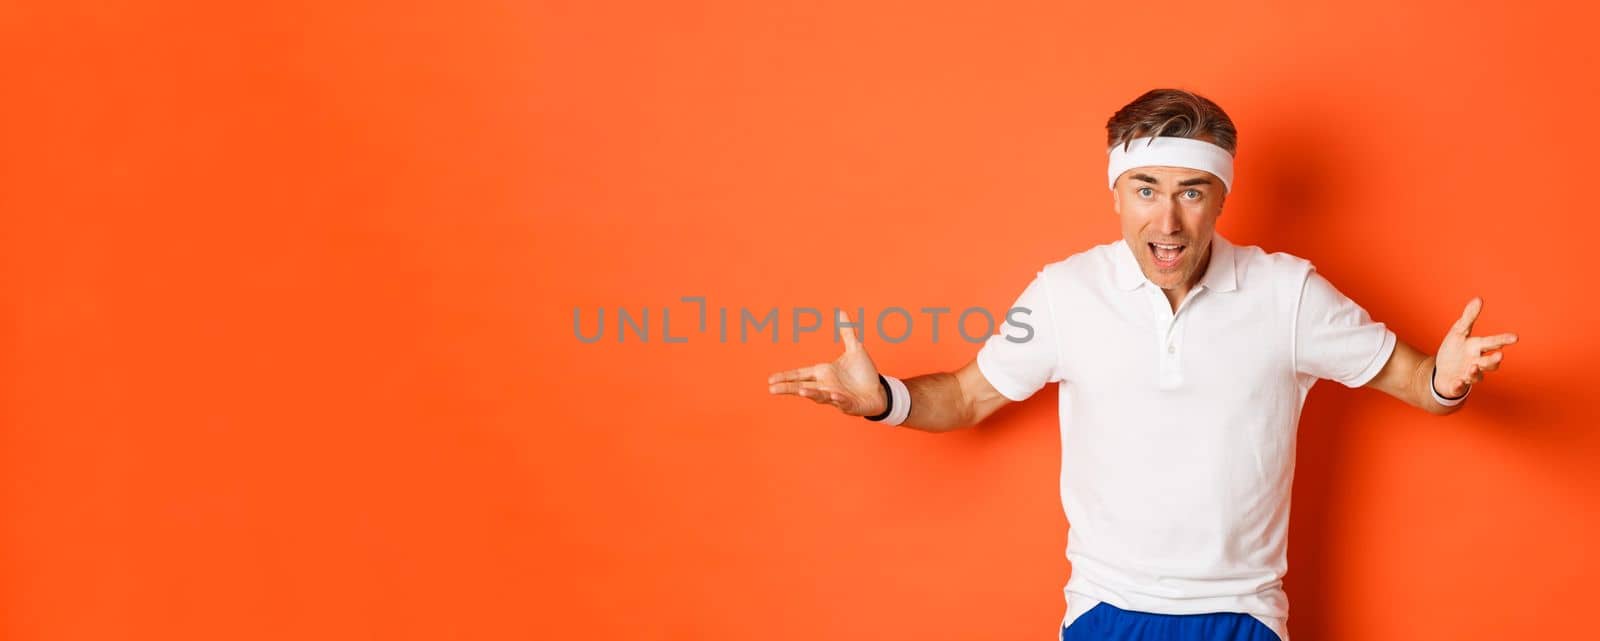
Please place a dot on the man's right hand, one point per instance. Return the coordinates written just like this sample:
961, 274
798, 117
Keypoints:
849, 383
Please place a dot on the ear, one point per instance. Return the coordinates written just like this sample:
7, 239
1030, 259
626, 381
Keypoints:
1116, 201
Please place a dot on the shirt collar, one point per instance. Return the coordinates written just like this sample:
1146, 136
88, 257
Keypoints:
1220, 275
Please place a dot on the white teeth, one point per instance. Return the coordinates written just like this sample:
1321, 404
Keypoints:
1166, 252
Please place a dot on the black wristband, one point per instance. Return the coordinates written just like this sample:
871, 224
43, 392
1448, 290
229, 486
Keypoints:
888, 401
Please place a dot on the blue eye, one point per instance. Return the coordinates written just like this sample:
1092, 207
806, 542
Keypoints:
1142, 191
1196, 193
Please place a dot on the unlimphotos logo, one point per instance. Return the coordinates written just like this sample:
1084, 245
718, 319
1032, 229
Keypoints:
892, 324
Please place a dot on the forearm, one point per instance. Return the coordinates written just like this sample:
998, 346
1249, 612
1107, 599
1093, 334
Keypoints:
1408, 377
938, 403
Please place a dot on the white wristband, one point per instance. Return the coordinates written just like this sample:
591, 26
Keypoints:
1447, 402
900, 401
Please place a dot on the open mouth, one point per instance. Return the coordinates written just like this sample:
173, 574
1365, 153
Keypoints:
1166, 255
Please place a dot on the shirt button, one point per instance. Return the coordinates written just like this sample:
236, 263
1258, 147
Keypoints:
1171, 349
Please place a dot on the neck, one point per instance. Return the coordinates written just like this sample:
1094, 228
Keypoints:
1176, 295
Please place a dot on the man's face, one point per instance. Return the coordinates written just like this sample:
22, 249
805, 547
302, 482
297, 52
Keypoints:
1168, 216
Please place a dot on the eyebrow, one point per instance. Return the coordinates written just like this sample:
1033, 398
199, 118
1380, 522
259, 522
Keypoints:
1202, 180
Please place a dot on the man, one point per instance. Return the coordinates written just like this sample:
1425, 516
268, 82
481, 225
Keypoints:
1183, 362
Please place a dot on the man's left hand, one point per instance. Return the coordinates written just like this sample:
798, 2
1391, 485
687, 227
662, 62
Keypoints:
1463, 358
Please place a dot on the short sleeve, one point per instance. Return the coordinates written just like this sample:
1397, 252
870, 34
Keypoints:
1335, 338
1022, 357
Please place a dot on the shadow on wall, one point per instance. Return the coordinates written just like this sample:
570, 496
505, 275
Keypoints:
1293, 162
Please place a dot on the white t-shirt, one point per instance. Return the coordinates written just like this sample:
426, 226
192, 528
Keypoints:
1178, 430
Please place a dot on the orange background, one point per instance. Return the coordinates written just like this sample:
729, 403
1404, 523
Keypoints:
290, 290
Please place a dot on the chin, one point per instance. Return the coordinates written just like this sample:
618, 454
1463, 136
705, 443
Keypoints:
1174, 278
1176, 274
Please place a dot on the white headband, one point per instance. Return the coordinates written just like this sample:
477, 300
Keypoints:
1171, 151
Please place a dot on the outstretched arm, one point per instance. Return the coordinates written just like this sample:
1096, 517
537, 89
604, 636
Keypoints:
940, 402
946, 401
1462, 361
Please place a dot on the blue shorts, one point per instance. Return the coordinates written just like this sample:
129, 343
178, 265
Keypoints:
1106, 622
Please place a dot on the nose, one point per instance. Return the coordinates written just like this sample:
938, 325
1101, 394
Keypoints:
1168, 220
